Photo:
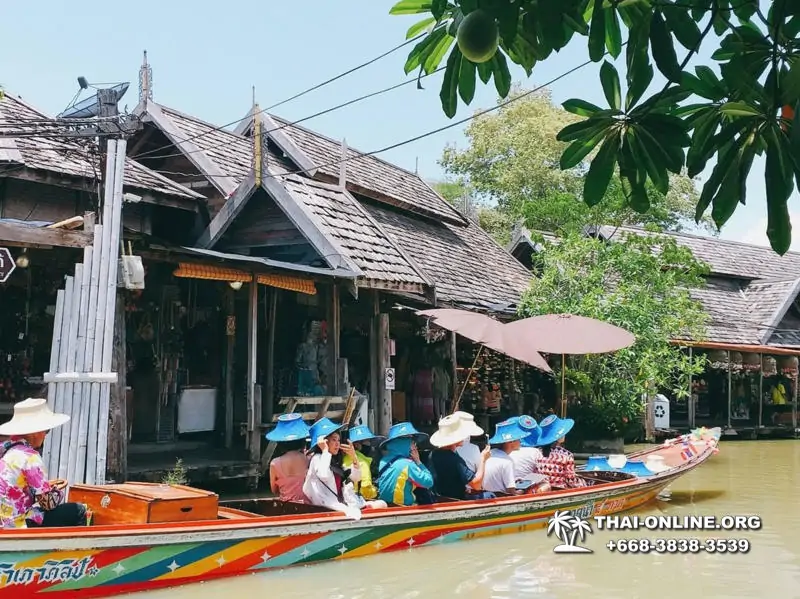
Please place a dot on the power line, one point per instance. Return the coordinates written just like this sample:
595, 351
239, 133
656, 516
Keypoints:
305, 118
294, 97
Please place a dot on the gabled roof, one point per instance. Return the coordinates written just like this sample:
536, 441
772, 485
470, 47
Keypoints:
71, 157
389, 243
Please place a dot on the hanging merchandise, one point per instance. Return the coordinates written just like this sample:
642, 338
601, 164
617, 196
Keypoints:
751, 362
769, 366
735, 362
718, 359
788, 366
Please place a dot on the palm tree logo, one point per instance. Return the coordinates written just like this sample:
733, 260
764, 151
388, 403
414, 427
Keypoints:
568, 528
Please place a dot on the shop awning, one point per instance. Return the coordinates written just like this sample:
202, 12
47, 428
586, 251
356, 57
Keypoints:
217, 273
339, 273
755, 349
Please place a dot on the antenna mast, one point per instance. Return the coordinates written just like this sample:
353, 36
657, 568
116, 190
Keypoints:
145, 80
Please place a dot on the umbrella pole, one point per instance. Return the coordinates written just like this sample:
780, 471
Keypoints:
563, 385
466, 382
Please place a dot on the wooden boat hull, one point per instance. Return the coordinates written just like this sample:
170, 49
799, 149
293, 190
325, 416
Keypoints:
104, 561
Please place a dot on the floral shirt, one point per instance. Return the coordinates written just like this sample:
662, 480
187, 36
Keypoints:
22, 482
559, 468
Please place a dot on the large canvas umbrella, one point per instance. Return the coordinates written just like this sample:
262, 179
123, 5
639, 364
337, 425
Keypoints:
568, 334
486, 332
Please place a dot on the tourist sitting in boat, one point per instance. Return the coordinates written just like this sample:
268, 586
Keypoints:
500, 476
557, 463
328, 483
526, 456
27, 498
402, 478
453, 478
360, 436
470, 452
287, 473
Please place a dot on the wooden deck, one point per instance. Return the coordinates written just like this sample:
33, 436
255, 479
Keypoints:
151, 462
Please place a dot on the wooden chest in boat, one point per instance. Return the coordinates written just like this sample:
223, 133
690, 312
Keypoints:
142, 503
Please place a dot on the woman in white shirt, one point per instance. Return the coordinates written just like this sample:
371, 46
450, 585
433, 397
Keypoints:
470, 452
327, 483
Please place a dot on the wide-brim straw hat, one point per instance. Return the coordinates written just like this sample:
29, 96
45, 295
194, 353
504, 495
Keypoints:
473, 429
32, 416
452, 430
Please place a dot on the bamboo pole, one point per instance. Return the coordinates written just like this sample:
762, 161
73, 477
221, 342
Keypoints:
760, 391
55, 350
72, 347
110, 307
690, 402
53, 465
730, 387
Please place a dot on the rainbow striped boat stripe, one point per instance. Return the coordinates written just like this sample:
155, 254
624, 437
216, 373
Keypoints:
101, 573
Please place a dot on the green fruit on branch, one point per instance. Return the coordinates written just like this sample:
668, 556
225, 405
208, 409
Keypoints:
478, 37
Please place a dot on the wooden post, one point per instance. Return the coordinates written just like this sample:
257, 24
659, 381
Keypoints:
760, 392
253, 398
730, 387
384, 419
374, 367
334, 336
117, 462
794, 407
453, 369
230, 338
269, 383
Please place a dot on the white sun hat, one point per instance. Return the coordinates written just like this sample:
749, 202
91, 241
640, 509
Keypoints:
452, 430
32, 416
473, 430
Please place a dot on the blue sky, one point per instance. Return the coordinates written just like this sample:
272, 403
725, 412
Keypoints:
207, 56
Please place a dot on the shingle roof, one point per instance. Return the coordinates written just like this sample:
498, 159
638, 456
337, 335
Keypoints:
345, 220
74, 157
467, 267
731, 258
371, 173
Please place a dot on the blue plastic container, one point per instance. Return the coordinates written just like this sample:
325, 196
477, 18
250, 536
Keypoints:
597, 463
637, 469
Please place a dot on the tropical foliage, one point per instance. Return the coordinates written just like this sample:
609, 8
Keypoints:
750, 108
641, 283
511, 164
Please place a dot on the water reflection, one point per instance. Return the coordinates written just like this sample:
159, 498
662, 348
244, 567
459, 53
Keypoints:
745, 478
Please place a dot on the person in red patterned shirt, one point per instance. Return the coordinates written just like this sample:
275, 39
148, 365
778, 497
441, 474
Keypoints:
557, 463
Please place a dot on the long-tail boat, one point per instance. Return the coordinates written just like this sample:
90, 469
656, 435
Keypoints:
147, 537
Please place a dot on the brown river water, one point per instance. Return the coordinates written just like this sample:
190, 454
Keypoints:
746, 478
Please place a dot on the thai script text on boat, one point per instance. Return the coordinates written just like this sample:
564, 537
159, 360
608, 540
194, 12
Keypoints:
51, 571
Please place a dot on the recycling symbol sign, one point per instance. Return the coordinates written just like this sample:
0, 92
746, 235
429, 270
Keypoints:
659, 411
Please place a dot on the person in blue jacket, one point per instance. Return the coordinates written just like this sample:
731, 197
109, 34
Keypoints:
401, 474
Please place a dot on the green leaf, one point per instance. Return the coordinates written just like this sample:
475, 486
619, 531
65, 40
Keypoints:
418, 28
601, 170
423, 48
485, 71
437, 8
744, 9
597, 32
613, 39
682, 25
779, 188
507, 14
791, 84
738, 109
502, 76
609, 78
653, 162
724, 158
410, 7
580, 107
466, 80
671, 156
663, 49
703, 145
633, 178
435, 56
580, 149
448, 94
584, 129
467, 6
727, 197
641, 81
701, 88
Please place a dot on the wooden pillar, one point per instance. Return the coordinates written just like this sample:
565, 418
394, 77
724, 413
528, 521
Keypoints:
253, 398
334, 336
454, 369
230, 344
375, 380
690, 407
760, 392
384, 410
730, 387
117, 442
269, 383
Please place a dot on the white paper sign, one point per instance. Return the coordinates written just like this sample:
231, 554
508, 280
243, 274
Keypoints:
388, 379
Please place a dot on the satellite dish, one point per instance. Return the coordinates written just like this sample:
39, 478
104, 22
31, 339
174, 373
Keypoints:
90, 107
